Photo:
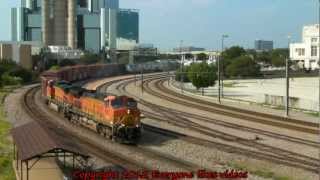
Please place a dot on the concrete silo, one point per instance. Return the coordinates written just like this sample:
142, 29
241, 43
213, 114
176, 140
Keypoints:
46, 25
59, 22
72, 23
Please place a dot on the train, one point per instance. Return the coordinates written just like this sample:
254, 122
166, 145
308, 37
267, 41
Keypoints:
153, 66
114, 117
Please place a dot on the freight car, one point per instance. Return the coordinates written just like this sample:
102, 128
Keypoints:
154, 66
116, 117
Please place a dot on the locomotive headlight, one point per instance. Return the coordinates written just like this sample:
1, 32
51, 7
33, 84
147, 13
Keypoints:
128, 111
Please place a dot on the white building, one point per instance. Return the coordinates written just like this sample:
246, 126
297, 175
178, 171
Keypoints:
64, 52
306, 53
213, 56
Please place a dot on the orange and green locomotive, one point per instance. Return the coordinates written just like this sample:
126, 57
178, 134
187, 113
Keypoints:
116, 117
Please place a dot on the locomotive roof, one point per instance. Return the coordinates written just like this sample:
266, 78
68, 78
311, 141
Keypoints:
77, 90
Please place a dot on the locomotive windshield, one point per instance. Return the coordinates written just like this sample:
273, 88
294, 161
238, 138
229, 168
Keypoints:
132, 103
116, 103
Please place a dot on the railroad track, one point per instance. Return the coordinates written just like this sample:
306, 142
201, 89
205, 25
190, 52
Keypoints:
262, 151
85, 143
253, 116
223, 123
97, 150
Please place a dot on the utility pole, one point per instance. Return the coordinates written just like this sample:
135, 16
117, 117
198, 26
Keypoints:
318, 53
181, 67
220, 78
142, 80
219, 95
287, 79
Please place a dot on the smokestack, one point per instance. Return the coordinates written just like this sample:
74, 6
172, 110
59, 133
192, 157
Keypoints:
60, 21
71, 24
45, 23
103, 28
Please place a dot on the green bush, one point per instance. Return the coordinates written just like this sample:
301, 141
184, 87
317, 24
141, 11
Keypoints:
22, 73
10, 80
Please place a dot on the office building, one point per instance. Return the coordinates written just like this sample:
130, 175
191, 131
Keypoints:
91, 25
262, 45
306, 53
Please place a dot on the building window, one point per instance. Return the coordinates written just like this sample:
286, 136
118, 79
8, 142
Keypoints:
314, 40
300, 51
314, 51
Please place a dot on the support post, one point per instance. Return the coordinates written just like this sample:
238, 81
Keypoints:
287, 80
142, 80
14, 151
64, 159
219, 93
27, 167
21, 172
17, 161
72, 161
287, 89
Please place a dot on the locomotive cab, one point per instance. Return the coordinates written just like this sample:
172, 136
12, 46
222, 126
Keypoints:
126, 117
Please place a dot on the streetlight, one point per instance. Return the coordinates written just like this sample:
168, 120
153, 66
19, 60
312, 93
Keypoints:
220, 85
287, 78
319, 75
181, 67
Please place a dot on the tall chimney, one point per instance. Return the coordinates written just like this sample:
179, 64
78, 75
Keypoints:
71, 23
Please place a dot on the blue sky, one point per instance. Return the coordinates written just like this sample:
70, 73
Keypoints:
202, 22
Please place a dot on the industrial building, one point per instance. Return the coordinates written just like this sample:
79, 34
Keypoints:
20, 53
306, 53
262, 45
91, 25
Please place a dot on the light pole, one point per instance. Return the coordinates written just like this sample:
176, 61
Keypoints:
220, 70
318, 53
287, 78
181, 67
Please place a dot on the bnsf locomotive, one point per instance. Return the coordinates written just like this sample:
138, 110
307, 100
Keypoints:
116, 117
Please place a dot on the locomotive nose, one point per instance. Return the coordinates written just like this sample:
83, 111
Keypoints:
128, 120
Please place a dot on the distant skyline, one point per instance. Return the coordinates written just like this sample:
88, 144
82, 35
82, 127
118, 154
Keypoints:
201, 23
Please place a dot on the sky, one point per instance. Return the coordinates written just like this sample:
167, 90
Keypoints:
201, 23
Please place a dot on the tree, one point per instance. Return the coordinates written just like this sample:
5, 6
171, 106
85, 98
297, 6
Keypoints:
243, 66
279, 57
183, 74
233, 52
67, 62
229, 54
202, 75
202, 57
25, 75
264, 57
89, 58
278, 61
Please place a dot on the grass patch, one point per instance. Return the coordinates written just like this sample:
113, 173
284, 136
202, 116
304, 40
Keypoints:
6, 156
